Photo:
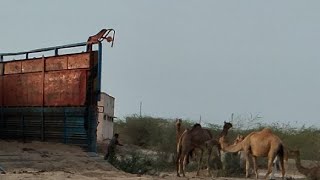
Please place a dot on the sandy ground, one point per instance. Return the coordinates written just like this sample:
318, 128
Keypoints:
55, 161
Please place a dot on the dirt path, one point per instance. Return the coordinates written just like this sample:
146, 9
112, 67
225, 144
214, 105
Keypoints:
55, 161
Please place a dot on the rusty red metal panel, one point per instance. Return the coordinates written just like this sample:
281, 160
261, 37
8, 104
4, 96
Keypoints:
65, 88
1, 91
57, 63
35, 65
33, 85
13, 90
22, 89
77, 61
13, 67
63, 83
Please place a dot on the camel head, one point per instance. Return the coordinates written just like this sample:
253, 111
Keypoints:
178, 121
238, 139
227, 125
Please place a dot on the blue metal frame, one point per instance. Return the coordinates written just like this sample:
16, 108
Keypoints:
99, 69
55, 48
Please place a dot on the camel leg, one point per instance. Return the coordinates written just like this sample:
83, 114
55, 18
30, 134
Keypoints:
270, 162
208, 161
274, 168
178, 165
200, 162
255, 167
181, 170
184, 164
283, 170
247, 164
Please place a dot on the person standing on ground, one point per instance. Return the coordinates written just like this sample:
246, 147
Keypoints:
110, 155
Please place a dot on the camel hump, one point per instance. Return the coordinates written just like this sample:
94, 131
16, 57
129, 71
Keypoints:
267, 130
195, 126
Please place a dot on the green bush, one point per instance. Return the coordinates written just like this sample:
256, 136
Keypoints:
136, 162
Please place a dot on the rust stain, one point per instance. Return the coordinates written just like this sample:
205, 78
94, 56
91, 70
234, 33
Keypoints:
13, 90
34, 83
34, 65
13, 67
56, 63
22, 90
65, 88
62, 83
78, 61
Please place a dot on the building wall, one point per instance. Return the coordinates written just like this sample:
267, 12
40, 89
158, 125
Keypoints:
105, 118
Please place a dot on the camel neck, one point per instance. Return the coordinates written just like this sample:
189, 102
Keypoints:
231, 148
224, 132
178, 132
178, 127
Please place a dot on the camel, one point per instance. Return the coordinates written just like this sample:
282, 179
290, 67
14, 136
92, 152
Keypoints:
196, 137
258, 144
276, 162
311, 173
178, 135
178, 130
99, 37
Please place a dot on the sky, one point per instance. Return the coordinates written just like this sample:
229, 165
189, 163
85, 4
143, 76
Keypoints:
189, 58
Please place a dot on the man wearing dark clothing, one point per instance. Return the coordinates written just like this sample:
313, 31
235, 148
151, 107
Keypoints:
110, 155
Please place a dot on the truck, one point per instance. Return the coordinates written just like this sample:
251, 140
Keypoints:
53, 98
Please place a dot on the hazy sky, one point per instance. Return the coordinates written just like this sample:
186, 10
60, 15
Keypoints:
184, 58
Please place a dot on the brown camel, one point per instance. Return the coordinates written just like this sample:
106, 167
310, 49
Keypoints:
197, 137
311, 173
258, 144
179, 132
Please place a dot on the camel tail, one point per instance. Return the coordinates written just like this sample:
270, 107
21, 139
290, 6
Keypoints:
281, 152
285, 154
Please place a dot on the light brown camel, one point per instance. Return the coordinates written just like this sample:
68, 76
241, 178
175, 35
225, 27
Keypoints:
311, 173
197, 137
258, 144
179, 132
276, 161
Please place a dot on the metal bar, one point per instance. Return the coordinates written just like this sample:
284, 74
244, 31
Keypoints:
64, 126
44, 49
99, 70
42, 125
42, 112
23, 127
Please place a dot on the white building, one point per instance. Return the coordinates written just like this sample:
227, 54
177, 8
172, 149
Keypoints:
105, 117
